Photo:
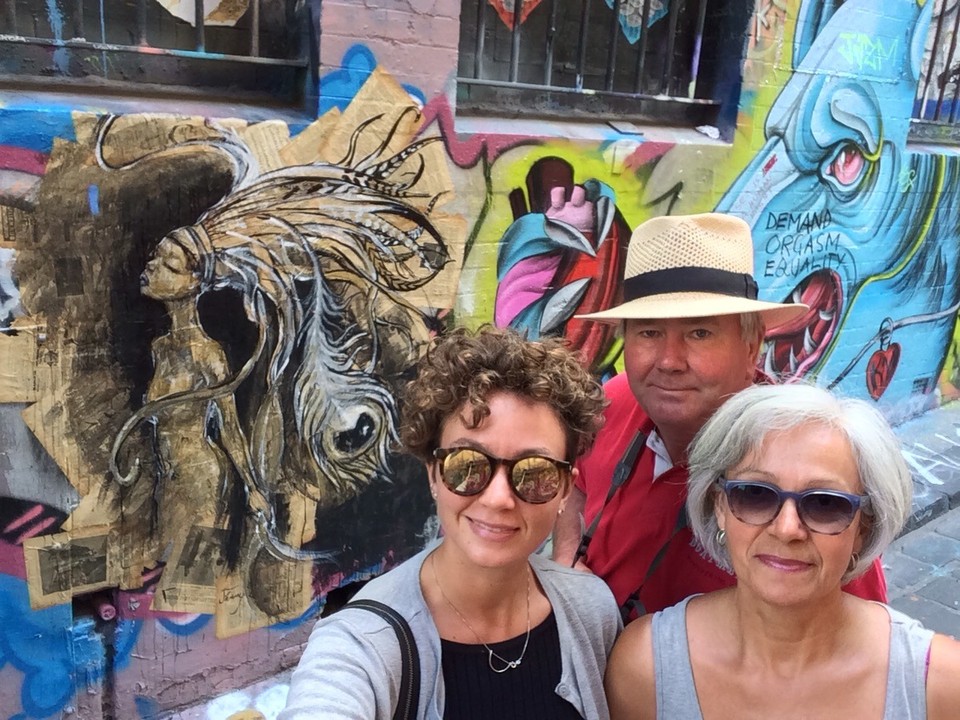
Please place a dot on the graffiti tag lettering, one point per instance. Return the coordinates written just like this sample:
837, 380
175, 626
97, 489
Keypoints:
802, 246
798, 266
907, 178
863, 53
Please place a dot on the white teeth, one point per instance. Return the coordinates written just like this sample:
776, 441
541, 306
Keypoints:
796, 295
808, 344
768, 362
827, 315
792, 361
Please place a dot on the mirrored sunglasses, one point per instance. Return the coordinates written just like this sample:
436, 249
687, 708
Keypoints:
535, 478
828, 512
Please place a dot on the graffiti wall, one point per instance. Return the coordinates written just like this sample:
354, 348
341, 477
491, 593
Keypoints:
205, 321
209, 325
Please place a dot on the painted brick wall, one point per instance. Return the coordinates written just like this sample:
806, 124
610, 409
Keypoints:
122, 236
416, 39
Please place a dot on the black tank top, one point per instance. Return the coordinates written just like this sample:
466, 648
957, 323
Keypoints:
527, 692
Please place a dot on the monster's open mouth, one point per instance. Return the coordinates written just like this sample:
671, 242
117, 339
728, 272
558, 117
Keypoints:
791, 349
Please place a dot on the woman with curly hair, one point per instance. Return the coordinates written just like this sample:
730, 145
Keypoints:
499, 630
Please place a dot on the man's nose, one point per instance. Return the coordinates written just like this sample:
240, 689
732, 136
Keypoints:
673, 353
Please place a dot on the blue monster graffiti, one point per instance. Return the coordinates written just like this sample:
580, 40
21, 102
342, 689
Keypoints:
846, 220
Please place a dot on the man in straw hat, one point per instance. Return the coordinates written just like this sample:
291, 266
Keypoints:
692, 330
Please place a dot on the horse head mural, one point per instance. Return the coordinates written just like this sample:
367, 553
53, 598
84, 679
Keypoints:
846, 219
320, 255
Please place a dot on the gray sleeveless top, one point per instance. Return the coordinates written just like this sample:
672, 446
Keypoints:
677, 696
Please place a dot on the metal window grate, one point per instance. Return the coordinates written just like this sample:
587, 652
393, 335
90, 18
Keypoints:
937, 107
139, 41
621, 57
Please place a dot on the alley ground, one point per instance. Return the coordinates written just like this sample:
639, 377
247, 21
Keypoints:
923, 573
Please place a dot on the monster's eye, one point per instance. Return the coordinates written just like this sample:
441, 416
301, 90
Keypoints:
357, 437
847, 166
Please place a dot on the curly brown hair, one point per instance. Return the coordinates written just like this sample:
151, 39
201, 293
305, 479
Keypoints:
464, 368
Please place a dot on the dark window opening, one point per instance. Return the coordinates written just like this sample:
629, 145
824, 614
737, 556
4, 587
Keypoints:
260, 53
936, 111
670, 61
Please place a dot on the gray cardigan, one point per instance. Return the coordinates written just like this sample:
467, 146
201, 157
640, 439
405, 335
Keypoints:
351, 665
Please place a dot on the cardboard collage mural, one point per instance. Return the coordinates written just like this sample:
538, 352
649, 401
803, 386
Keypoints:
277, 317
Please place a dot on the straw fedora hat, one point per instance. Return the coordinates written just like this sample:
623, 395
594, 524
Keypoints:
681, 266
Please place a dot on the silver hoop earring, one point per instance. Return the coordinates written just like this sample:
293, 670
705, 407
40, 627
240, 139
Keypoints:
721, 537
854, 560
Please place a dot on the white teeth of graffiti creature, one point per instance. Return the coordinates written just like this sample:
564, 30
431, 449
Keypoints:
793, 348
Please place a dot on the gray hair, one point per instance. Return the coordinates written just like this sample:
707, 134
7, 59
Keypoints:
751, 327
739, 428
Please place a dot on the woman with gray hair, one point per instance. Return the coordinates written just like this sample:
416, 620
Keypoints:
796, 491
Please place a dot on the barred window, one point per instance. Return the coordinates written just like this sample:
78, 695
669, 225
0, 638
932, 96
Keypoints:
241, 49
663, 60
936, 111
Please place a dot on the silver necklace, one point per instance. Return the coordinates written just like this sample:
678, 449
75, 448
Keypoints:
507, 664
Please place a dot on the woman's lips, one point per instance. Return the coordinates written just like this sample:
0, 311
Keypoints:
784, 564
492, 531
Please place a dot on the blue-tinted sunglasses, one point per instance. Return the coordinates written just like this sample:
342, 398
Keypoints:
828, 512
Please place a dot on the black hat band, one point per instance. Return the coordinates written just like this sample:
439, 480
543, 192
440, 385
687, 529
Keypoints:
690, 279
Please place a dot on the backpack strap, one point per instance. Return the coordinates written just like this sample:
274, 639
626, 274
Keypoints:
409, 698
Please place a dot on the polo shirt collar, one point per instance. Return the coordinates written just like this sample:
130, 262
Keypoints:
661, 456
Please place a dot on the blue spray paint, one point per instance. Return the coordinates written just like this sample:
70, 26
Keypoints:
339, 87
847, 220
55, 17
93, 199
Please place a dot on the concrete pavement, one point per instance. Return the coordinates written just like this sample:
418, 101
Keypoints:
923, 573
923, 565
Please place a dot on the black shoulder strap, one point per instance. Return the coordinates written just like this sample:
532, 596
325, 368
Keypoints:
409, 698
620, 474
633, 602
